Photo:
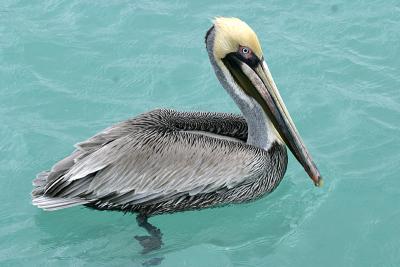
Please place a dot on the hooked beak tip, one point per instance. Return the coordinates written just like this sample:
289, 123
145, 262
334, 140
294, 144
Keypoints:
318, 181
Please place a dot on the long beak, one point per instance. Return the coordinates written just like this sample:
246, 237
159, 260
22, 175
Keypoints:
258, 83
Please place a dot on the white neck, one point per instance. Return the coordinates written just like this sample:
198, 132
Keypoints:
261, 132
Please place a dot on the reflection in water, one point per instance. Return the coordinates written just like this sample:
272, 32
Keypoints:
257, 227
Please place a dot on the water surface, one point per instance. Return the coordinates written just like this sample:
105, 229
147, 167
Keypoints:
71, 68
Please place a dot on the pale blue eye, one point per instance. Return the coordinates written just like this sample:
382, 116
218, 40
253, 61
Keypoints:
245, 50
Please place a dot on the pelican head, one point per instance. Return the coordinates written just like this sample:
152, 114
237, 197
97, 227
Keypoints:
237, 58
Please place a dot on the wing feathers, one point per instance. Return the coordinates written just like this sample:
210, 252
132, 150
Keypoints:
51, 203
152, 158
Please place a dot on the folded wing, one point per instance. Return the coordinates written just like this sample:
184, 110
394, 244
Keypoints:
152, 158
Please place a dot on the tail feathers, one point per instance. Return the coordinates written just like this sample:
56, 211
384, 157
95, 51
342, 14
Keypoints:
50, 203
40, 179
39, 184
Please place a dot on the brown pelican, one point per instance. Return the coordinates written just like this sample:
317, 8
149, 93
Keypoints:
166, 161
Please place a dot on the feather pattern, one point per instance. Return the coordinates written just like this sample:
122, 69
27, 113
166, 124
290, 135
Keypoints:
163, 161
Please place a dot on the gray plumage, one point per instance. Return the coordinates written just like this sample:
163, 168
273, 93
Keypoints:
163, 161
166, 161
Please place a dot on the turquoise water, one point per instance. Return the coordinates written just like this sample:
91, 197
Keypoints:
69, 69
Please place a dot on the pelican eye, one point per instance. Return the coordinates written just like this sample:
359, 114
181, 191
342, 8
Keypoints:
245, 50
247, 55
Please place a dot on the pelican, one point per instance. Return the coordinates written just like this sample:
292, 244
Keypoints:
166, 161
